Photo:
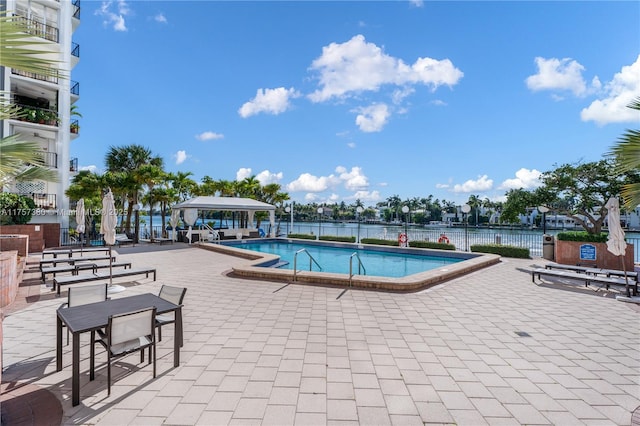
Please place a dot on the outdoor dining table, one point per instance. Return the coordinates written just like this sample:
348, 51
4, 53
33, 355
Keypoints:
95, 316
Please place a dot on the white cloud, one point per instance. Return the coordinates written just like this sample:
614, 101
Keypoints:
160, 18
417, 3
483, 183
372, 118
92, 168
618, 93
353, 180
355, 66
115, 19
208, 136
558, 74
180, 156
265, 177
351, 145
525, 179
243, 173
365, 196
270, 101
310, 183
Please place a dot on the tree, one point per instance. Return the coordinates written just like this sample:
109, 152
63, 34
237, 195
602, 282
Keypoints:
579, 191
127, 161
626, 152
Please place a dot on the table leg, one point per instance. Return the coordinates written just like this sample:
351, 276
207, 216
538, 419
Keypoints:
177, 341
58, 344
75, 376
92, 357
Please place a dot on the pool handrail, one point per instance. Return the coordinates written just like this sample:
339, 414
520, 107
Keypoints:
295, 262
360, 265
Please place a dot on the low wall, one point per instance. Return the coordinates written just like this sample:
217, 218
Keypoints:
569, 253
19, 243
41, 236
9, 277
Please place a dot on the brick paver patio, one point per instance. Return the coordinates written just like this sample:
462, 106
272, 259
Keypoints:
487, 348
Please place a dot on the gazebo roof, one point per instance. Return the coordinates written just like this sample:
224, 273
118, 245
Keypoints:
224, 204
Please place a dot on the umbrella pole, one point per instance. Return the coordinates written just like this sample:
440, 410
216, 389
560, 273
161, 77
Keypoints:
81, 235
626, 278
110, 267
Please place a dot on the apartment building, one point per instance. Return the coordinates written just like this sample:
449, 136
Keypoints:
47, 102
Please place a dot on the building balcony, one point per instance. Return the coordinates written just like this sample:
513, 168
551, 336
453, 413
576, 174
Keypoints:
47, 78
73, 165
37, 115
43, 201
75, 50
39, 29
50, 159
76, 9
74, 127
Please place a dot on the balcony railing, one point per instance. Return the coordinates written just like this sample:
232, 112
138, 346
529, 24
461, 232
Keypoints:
75, 50
33, 114
75, 88
39, 29
43, 201
74, 127
76, 13
50, 159
73, 165
50, 79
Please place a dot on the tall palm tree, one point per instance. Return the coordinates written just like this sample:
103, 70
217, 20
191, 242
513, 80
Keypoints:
128, 160
627, 153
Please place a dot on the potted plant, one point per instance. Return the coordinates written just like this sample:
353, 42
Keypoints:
74, 127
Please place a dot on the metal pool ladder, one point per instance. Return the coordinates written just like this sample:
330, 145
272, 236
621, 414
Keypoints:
311, 262
361, 267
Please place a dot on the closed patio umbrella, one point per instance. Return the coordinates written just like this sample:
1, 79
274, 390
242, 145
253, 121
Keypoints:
616, 244
173, 221
108, 229
190, 217
80, 221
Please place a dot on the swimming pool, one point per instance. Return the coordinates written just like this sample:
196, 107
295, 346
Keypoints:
339, 260
461, 263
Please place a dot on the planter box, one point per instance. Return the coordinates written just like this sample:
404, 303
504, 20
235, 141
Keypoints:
596, 254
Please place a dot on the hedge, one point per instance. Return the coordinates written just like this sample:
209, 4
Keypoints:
502, 250
582, 236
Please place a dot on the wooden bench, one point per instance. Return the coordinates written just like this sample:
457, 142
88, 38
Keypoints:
75, 279
73, 260
74, 269
586, 278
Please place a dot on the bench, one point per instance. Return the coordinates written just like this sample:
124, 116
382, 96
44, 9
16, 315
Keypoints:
71, 251
75, 279
593, 271
122, 239
73, 260
74, 269
587, 278
162, 241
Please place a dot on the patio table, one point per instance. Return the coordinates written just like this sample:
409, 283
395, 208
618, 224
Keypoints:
95, 316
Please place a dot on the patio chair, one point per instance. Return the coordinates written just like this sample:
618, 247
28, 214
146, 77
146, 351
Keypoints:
174, 295
77, 296
127, 333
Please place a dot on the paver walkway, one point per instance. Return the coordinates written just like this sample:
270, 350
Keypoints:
487, 348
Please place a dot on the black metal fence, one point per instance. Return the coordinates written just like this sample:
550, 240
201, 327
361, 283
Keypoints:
459, 237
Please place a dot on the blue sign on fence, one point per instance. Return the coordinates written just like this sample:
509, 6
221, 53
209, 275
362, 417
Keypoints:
587, 252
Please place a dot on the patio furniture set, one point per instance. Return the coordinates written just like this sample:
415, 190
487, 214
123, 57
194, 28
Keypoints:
589, 275
122, 326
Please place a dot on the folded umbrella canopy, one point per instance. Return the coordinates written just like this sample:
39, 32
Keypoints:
108, 229
173, 221
616, 243
80, 219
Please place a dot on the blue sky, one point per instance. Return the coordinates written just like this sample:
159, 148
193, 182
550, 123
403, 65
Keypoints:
338, 101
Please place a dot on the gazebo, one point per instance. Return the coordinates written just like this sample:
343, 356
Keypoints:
190, 208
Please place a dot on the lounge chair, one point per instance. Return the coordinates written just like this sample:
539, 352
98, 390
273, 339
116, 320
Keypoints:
123, 239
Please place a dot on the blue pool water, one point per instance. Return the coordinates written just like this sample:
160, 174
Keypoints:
382, 263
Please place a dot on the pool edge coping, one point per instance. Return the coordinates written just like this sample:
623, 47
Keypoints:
409, 283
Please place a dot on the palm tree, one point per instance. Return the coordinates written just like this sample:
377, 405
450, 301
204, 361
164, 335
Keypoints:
128, 160
627, 153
